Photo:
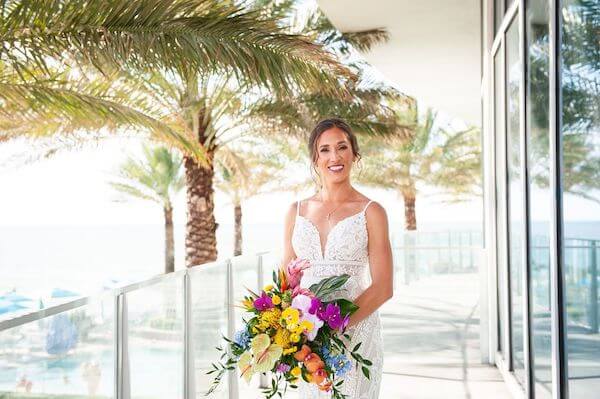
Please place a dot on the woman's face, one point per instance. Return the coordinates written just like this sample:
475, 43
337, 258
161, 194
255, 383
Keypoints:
334, 155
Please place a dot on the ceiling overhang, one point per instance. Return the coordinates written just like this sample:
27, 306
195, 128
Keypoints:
434, 51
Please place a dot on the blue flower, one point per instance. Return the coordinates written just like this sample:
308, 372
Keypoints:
340, 364
242, 338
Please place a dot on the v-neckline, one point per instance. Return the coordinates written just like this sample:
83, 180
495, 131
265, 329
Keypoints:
323, 249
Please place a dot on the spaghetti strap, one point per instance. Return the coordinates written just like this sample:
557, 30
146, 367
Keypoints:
298, 208
368, 203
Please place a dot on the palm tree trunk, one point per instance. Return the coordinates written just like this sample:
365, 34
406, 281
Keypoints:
237, 210
169, 240
410, 215
201, 227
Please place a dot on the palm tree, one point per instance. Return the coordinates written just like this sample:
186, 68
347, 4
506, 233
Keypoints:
158, 177
180, 46
448, 160
253, 167
40, 38
366, 103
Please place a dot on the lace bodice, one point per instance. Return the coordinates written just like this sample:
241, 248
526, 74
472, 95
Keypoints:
347, 240
345, 252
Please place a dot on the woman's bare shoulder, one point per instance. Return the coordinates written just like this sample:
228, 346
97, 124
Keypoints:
376, 212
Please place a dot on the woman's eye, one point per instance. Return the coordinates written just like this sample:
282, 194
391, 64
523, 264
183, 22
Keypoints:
343, 147
324, 150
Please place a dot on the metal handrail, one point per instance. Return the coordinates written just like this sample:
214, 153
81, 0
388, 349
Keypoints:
111, 292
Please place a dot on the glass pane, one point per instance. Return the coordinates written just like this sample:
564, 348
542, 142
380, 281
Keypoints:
540, 200
580, 130
500, 197
498, 13
515, 194
155, 319
507, 4
209, 324
245, 276
70, 354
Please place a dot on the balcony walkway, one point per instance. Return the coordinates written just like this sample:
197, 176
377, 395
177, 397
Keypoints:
431, 338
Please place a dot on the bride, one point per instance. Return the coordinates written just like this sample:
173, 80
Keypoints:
340, 231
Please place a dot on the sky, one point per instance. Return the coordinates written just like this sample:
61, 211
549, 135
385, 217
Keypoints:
71, 188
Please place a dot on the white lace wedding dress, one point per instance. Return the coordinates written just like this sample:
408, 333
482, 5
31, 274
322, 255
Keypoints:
346, 252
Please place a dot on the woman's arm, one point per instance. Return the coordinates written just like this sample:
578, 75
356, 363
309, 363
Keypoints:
380, 261
288, 250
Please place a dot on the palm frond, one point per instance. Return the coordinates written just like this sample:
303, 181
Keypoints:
156, 177
364, 40
176, 35
58, 106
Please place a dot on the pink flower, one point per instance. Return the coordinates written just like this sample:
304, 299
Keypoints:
295, 270
301, 291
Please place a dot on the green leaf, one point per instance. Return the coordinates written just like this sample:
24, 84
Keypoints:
329, 285
347, 307
366, 372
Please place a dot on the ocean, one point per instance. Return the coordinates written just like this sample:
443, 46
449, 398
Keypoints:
85, 259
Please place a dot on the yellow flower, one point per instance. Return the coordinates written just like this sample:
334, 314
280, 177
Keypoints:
262, 326
296, 371
271, 318
294, 338
282, 338
248, 304
255, 330
291, 316
293, 349
276, 300
268, 287
306, 326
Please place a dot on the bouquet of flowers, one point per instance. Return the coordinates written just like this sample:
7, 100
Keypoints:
293, 333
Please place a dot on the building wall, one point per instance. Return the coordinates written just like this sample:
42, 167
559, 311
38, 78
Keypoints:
542, 140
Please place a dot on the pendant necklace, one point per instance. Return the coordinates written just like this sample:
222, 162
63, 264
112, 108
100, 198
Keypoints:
328, 217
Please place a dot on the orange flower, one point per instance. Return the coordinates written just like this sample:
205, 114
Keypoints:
319, 376
326, 386
282, 279
301, 355
313, 362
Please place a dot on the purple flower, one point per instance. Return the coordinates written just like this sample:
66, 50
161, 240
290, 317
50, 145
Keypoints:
315, 304
263, 302
283, 368
345, 322
331, 314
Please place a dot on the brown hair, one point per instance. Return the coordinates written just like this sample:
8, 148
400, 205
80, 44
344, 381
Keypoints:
324, 125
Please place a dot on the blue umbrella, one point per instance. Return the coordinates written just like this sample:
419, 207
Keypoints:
62, 293
14, 297
8, 306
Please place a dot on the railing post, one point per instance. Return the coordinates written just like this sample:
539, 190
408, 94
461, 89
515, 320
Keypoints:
232, 376
188, 350
264, 379
593, 288
409, 257
122, 386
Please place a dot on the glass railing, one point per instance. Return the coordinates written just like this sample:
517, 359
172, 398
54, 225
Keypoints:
153, 339
157, 338
419, 255
581, 257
